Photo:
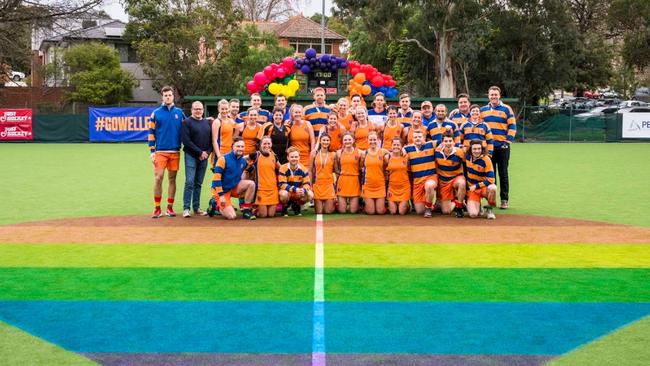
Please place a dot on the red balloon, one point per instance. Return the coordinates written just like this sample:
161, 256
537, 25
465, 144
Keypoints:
281, 72
288, 63
354, 70
260, 79
392, 83
269, 73
251, 86
377, 81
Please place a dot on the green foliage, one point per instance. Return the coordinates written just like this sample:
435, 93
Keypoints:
95, 75
167, 39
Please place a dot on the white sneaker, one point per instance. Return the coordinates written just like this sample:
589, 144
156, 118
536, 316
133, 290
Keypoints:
490, 214
186, 213
200, 212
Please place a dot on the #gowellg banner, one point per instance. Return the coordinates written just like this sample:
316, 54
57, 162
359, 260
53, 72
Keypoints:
16, 124
119, 123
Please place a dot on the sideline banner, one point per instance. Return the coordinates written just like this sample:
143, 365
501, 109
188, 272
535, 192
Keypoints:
16, 124
119, 123
636, 125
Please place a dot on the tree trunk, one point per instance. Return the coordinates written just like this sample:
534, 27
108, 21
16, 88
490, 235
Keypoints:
446, 82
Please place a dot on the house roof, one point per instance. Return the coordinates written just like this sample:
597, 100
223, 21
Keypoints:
111, 30
301, 27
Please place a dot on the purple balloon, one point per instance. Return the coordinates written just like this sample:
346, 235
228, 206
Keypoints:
310, 53
343, 64
317, 64
334, 67
325, 58
305, 69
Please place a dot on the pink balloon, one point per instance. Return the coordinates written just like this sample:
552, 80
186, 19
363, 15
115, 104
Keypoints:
280, 73
251, 86
260, 79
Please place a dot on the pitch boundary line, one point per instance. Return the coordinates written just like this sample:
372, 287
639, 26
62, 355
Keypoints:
318, 357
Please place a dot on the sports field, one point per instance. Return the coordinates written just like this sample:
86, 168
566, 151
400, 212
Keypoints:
86, 277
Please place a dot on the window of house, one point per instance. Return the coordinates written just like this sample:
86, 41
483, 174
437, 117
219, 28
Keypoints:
126, 52
301, 46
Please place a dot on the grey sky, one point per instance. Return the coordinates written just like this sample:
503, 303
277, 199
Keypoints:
308, 8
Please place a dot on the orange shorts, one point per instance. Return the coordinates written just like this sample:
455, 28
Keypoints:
267, 197
324, 191
477, 194
446, 190
227, 195
348, 186
167, 160
419, 192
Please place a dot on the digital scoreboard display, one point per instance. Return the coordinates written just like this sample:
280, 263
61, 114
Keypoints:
325, 79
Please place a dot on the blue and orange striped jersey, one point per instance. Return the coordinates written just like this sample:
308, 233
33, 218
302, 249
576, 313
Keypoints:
262, 117
479, 172
449, 166
459, 118
422, 162
317, 116
165, 129
292, 179
427, 120
501, 121
435, 131
227, 173
405, 118
480, 131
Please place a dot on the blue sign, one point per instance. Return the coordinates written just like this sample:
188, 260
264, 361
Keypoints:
119, 123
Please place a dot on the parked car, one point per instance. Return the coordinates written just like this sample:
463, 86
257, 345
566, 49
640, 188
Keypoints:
645, 109
17, 75
632, 103
597, 112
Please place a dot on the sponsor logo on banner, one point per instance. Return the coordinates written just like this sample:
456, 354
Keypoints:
16, 124
119, 123
636, 125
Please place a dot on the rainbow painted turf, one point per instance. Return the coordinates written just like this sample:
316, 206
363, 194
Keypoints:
437, 304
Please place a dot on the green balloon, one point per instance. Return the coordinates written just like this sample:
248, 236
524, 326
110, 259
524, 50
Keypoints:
286, 80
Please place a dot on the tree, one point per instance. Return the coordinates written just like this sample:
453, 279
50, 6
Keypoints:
631, 20
431, 25
171, 37
266, 10
95, 75
17, 17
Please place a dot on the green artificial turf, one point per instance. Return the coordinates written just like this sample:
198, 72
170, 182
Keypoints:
18, 348
160, 284
518, 285
628, 346
606, 182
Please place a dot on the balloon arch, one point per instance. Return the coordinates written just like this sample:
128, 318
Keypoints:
281, 78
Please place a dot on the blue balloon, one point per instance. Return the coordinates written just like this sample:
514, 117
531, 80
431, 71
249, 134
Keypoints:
310, 53
343, 64
325, 58
383, 89
305, 69
317, 64
299, 63
334, 67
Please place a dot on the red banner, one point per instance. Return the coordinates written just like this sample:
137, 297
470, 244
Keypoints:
16, 124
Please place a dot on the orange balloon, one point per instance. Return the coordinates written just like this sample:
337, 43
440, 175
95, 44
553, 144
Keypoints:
360, 78
365, 90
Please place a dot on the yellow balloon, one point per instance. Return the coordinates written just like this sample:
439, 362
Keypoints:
274, 88
294, 84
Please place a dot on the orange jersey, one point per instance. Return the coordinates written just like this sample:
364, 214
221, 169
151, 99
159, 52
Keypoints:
265, 172
409, 136
250, 138
374, 178
323, 175
348, 181
405, 118
224, 135
300, 139
292, 179
361, 136
480, 172
389, 133
399, 185
347, 121
449, 166
422, 162
336, 137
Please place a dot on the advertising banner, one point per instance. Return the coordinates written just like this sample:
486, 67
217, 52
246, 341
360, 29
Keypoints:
117, 124
16, 125
636, 125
